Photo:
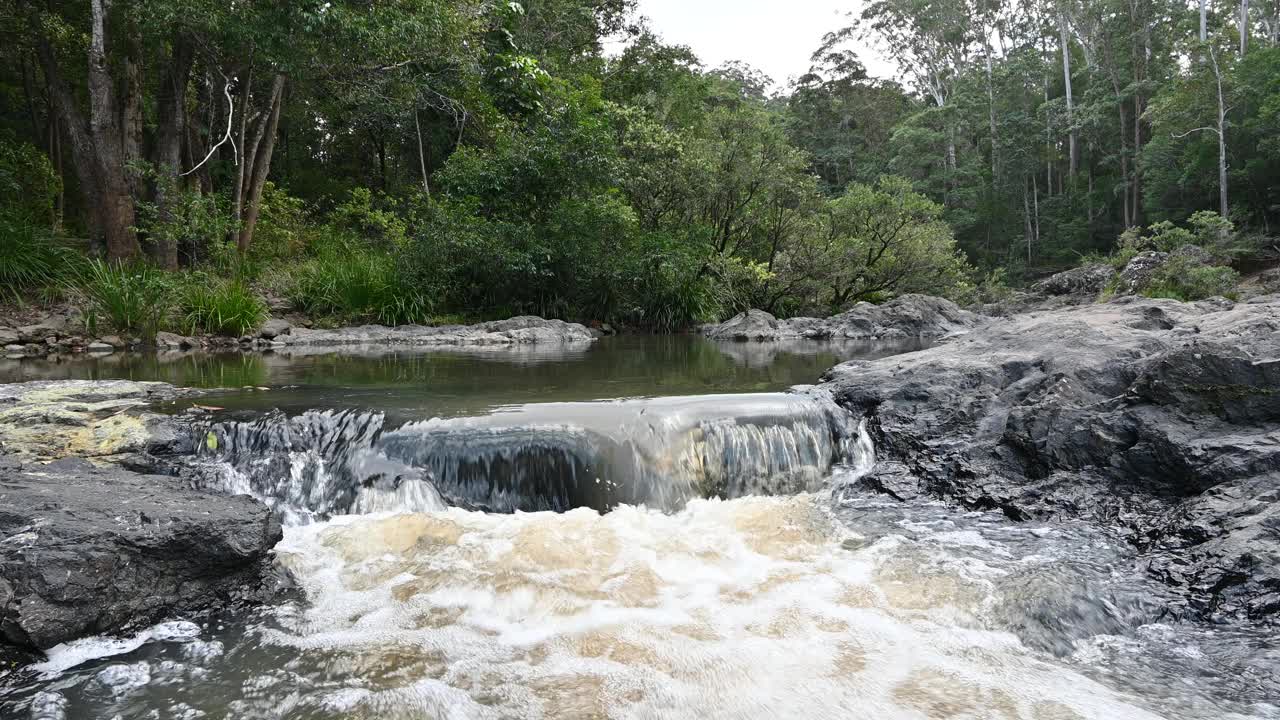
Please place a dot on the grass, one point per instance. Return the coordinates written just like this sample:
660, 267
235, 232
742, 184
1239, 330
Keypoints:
134, 298
29, 260
219, 307
352, 284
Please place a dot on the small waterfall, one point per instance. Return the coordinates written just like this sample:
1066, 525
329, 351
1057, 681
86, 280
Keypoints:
557, 456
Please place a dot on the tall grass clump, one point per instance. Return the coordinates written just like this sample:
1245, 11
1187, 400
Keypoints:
134, 298
347, 283
30, 261
219, 307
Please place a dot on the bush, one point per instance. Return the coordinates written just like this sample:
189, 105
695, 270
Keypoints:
29, 259
345, 282
219, 307
133, 298
1182, 278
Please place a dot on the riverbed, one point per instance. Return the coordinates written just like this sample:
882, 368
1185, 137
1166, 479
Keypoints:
641, 528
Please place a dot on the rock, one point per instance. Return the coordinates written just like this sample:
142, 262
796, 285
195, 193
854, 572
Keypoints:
9, 336
1087, 280
904, 317
515, 331
90, 550
1158, 418
114, 341
100, 347
41, 331
1140, 272
274, 328
15, 349
171, 341
94, 419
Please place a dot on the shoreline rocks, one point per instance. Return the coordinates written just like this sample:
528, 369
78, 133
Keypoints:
1158, 418
87, 550
47, 338
905, 317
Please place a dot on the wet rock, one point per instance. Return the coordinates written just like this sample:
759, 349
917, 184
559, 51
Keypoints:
515, 331
1156, 417
93, 419
114, 341
274, 328
9, 336
100, 347
908, 316
90, 550
1086, 280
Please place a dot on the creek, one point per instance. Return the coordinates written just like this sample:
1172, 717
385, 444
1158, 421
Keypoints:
644, 528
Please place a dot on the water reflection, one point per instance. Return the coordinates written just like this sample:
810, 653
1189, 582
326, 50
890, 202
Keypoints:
413, 383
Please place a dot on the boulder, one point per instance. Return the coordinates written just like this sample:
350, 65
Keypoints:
1140, 272
100, 347
42, 331
1158, 418
172, 341
273, 328
9, 336
93, 550
114, 341
1086, 280
904, 317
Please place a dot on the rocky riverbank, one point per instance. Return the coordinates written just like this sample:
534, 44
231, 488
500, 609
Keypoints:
64, 333
1157, 417
89, 546
903, 318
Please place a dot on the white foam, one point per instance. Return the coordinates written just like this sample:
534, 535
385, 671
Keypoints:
728, 609
65, 656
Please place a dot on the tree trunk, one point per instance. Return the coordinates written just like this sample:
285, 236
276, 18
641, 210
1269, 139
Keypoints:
264, 146
131, 115
171, 115
1204, 20
1223, 206
1073, 159
97, 143
422, 157
237, 202
1244, 27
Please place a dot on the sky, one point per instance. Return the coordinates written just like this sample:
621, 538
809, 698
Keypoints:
776, 36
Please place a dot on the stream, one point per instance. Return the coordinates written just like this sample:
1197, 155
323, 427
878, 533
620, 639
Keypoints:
645, 528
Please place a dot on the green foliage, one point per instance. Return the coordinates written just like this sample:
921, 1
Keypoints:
134, 298
370, 219
219, 307
31, 260
344, 282
284, 227
1182, 278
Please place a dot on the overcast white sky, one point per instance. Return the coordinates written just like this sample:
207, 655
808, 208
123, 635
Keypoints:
776, 36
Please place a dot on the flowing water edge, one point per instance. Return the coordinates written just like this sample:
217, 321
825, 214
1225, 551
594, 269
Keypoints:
559, 558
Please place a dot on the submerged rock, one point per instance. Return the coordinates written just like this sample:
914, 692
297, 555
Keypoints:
514, 331
1160, 417
908, 316
87, 550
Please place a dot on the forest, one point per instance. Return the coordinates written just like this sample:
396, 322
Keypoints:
186, 165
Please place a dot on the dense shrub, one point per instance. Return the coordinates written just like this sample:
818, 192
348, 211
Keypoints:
1183, 278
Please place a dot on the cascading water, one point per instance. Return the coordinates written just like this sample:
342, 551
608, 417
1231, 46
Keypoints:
659, 453
698, 568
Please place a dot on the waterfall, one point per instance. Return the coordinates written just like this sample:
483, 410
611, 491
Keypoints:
555, 456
